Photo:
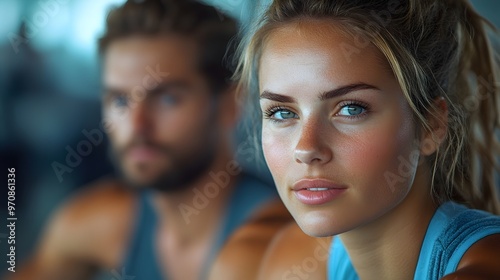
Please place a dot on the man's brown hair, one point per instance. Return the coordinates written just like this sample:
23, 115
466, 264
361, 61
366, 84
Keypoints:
212, 32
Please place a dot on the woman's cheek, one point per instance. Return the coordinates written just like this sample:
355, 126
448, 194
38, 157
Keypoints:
374, 156
277, 155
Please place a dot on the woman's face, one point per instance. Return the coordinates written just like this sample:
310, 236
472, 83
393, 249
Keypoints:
338, 134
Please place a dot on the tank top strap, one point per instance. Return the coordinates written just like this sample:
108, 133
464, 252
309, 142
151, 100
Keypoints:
141, 260
339, 263
451, 232
248, 196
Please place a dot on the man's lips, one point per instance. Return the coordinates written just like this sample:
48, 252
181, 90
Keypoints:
316, 191
143, 153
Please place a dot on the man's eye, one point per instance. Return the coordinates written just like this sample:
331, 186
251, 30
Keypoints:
352, 110
169, 99
119, 101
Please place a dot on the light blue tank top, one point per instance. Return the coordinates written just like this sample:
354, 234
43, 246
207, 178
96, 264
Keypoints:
141, 261
453, 229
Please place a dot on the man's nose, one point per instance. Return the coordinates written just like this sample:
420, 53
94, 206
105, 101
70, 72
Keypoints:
140, 117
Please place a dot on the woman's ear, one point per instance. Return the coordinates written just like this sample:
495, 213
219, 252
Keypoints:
438, 125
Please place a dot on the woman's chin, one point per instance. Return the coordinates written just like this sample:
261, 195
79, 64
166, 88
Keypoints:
317, 225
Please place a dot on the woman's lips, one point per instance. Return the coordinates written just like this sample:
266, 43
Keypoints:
316, 191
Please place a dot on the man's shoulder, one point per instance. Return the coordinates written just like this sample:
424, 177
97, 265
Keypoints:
105, 199
293, 254
293, 245
264, 223
107, 196
251, 240
98, 216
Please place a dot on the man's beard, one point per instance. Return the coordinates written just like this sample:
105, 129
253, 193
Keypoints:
185, 168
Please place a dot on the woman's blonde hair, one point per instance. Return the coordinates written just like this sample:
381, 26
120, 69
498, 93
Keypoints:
436, 48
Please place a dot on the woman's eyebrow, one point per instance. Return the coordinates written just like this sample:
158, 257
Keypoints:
345, 90
324, 96
277, 97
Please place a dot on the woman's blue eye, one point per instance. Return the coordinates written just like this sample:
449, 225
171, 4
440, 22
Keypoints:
352, 110
284, 115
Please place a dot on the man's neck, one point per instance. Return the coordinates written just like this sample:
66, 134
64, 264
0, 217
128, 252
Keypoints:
389, 247
195, 214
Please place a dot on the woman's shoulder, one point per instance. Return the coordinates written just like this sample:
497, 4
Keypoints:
480, 261
459, 238
295, 255
455, 226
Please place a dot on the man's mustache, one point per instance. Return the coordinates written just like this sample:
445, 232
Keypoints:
144, 143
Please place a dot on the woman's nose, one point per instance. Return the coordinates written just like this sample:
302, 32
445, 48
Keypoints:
312, 146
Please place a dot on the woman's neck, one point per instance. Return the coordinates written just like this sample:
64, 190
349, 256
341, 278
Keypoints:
389, 247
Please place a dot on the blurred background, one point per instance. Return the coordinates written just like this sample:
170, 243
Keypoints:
50, 99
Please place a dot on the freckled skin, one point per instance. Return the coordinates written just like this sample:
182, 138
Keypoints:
381, 223
321, 143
